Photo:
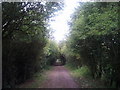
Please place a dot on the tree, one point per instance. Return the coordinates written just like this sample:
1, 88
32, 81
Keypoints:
24, 34
94, 39
51, 52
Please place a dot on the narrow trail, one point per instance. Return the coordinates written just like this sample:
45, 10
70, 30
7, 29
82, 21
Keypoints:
59, 77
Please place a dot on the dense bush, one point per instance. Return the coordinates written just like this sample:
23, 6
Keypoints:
83, 72
24, 37
94, 40
52, 53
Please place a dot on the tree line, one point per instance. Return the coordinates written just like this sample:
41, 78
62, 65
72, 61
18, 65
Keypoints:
25, 39
94, 41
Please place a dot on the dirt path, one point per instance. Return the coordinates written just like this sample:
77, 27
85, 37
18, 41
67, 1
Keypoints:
59, 77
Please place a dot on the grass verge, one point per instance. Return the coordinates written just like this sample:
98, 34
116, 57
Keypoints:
36, 80
83, 77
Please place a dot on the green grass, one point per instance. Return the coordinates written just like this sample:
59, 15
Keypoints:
80, 72
36, 80
83, 77
83, 72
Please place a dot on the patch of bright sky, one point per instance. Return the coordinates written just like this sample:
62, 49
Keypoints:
60, 22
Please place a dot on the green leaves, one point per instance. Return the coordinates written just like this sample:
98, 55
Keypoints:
52, 52
94, 37
25, 35
95, 20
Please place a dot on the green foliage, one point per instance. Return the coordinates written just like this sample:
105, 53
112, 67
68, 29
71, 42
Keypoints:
51, 52
24, 37
36, 80
82, 71
94, 40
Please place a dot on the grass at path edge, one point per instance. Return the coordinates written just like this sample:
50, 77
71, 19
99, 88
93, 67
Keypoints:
36, 80
83, 77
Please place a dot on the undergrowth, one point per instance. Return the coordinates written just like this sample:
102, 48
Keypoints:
83, 76
36, 80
